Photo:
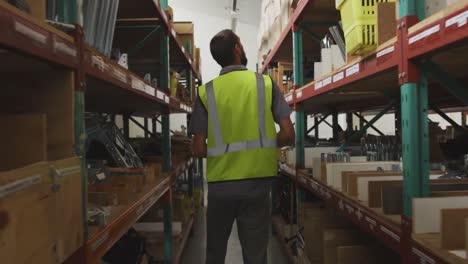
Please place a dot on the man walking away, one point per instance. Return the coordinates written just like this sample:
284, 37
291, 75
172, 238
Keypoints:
236, 112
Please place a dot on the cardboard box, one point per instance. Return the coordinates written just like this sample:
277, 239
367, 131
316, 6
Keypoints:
434, 6
332, 218
335, 238
23, 140
69, 210
35, 8
185, 33
28, 211
181, 210
356, 255
386, 22
313, 234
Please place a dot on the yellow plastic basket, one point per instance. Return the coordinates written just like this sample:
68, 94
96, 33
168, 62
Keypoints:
359, 18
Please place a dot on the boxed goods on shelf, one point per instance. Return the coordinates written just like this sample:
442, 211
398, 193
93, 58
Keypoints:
434, 220
28, 217
50, 94
434, 6
24, 141
185, 33
278, 74
333, 239
450, 236
132, 180
197, 60
181, 210
386, 22
36, 8
359, 25
330, 237
275, 17
41, 212
174, 83
69, 211
333, 171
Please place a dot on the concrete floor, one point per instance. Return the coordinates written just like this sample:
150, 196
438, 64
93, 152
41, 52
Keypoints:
194, 252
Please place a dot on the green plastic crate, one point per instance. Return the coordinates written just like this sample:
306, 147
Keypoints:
359, 18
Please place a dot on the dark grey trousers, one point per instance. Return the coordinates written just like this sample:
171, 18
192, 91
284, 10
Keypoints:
253, 217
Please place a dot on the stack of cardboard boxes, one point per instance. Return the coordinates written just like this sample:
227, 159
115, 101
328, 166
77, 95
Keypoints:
275, 17
331, 238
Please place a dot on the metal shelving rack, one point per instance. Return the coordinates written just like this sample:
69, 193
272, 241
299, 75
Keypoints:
104, 86
419, 70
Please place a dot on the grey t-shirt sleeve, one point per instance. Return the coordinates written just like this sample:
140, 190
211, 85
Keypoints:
199, 120
279, 107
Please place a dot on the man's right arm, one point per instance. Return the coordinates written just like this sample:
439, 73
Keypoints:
281, 112
199, 128
286, 136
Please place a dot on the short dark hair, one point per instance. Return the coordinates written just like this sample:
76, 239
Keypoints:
222, 47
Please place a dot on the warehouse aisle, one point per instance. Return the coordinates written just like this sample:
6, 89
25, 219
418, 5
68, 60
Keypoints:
194, 252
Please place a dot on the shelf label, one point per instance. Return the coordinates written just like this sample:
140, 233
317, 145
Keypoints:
289, 98
140, 211
99, 62
150, 90
337, 77
385, 51
137, 84
100, 241
313, 185
390, 233
30, 33
341, 204
160, 95
359, 214
352, 70
19, 185
68, 171
299, 94
318, 85
64, 48
460, 20
372, 223
327, 81
120, 75
424, 258
424, 34
166, 99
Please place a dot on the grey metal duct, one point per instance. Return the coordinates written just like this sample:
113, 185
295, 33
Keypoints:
100, 17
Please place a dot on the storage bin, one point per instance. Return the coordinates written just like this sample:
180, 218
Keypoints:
359, 20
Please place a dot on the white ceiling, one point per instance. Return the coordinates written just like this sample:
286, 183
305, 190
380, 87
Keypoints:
248, 10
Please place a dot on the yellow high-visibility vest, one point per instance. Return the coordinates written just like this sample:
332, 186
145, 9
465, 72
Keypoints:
241, 129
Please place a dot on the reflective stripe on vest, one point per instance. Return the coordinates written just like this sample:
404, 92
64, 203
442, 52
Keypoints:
221, 148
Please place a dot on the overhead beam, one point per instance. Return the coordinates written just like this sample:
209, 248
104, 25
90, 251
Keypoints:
312, 34
142, 42
450, 83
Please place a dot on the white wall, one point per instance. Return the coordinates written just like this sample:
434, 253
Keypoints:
207, 22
